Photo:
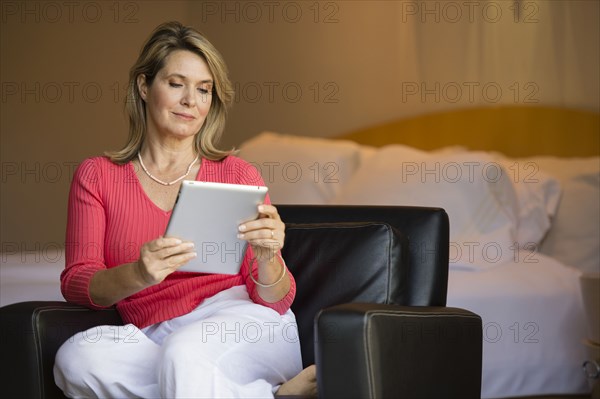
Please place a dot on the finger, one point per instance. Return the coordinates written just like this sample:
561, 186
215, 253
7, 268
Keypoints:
259, 224
163, 242
177, 261
264, 238
182, 248
268, 211
261, 234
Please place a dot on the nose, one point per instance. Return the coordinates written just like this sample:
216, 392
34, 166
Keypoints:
189, 97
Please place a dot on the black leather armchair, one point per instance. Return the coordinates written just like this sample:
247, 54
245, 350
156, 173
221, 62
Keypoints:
370, 306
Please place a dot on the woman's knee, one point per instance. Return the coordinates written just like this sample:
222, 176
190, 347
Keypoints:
80, 360
73, 366
180, 349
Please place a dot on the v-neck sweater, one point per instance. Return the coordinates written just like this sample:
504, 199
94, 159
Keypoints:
110, 217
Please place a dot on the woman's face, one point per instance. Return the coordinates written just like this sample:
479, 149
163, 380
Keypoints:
179, 98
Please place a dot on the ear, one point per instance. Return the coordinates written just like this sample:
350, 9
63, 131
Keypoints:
142, 86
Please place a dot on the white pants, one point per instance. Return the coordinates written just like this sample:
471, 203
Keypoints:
227, 347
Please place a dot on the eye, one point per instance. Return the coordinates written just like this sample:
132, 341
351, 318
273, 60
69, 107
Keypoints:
204, 90
173, 84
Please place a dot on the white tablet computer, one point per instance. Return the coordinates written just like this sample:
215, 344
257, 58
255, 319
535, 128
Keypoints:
208, 214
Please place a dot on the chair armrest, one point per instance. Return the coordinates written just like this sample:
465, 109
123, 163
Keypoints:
31, 334
385, 351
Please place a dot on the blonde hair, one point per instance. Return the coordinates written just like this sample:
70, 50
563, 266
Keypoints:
165, 39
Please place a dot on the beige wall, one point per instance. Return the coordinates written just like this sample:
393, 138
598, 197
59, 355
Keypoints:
300, 67
62, 93
315, 71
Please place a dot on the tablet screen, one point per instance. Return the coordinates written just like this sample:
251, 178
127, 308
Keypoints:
209, 214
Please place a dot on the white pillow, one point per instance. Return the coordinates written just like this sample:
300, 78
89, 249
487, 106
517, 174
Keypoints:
538, 195
574, 237
301, 170
472, 187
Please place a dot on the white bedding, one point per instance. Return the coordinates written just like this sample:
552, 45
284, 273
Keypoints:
531, 312
31, 276
533, 325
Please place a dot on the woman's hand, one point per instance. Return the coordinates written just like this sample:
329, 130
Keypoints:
163, 256
158, 259
265, 234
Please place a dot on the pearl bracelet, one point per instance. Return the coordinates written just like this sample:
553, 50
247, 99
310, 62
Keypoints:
283, 266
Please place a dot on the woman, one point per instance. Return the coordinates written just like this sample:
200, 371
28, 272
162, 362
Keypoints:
186, 334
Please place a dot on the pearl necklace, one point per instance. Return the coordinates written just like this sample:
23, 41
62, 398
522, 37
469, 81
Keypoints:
170, 183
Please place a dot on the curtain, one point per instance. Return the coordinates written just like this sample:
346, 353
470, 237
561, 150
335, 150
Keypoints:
488, 53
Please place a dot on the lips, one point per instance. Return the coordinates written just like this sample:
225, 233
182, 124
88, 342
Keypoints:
185, 116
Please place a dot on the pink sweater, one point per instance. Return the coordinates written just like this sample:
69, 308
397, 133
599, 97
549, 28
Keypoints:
110, 217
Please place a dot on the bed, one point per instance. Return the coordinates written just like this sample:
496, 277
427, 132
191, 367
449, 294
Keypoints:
521, 187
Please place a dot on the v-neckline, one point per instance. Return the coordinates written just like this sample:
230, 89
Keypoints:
145, 194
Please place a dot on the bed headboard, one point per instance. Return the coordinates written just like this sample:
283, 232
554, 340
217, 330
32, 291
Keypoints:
516, 131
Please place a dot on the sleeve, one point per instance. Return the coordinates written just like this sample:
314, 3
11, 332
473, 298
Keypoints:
248, 174
84, 243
